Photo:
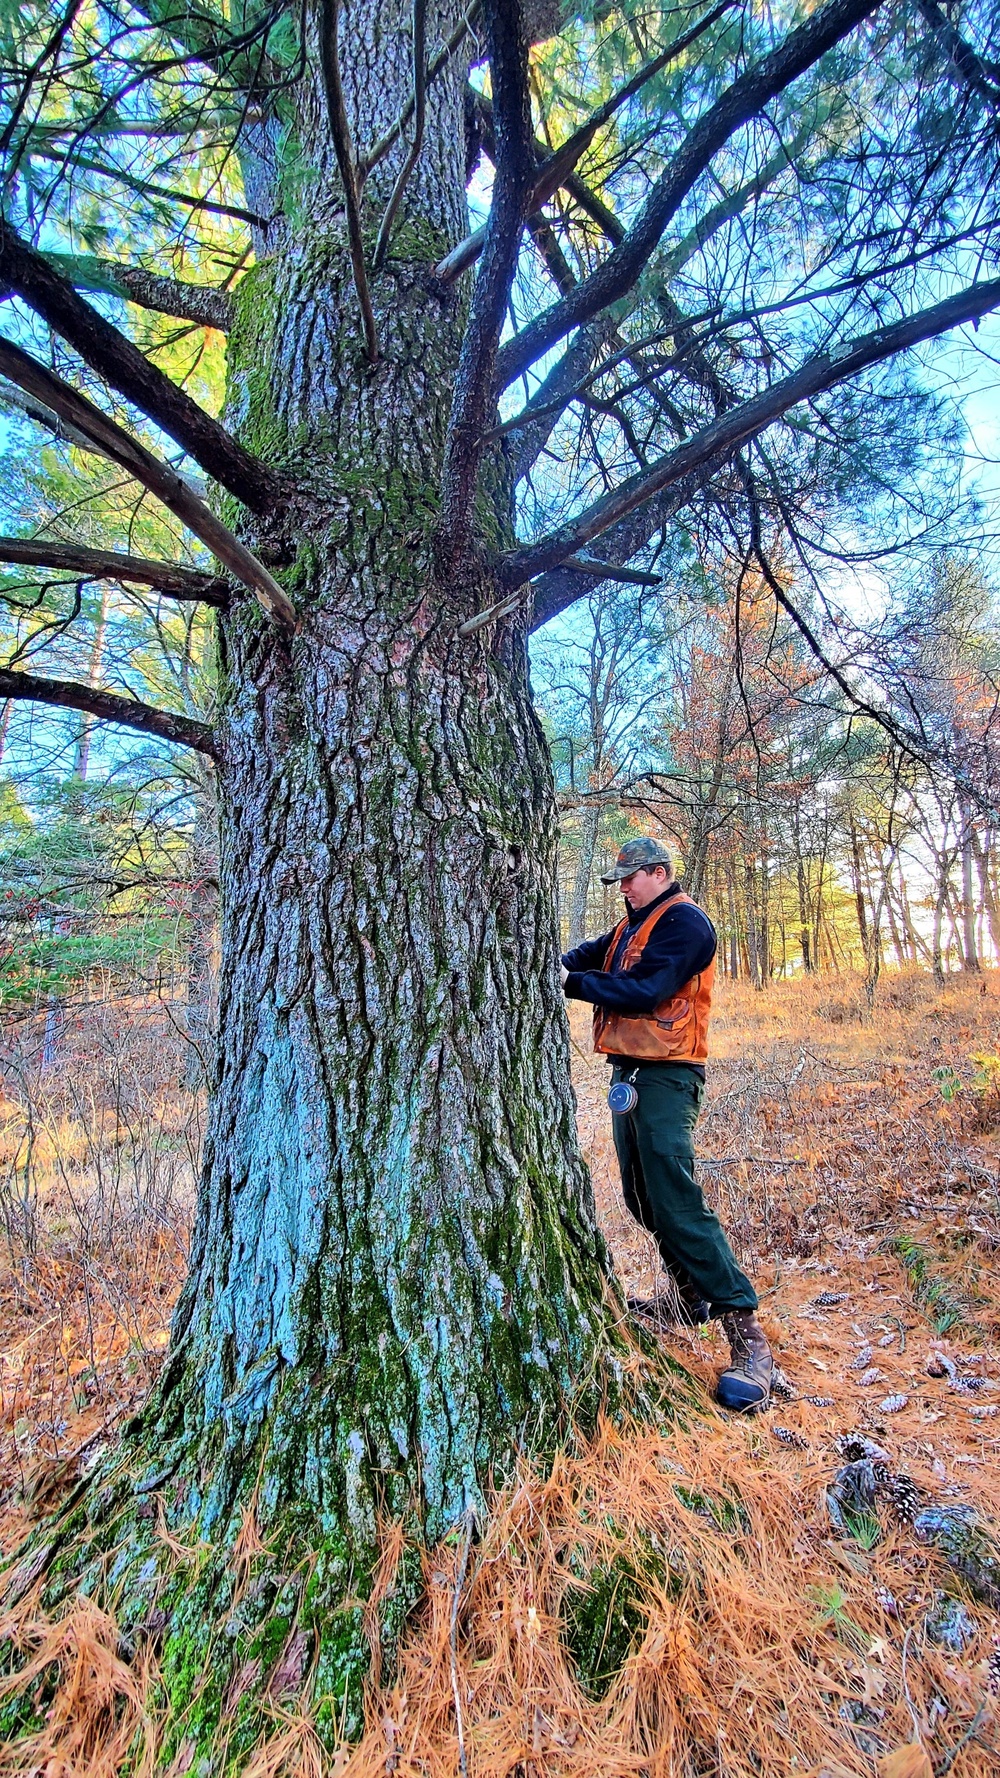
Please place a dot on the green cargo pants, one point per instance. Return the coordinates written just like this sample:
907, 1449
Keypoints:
655, 1147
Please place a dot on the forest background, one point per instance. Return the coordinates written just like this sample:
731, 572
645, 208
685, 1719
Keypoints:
793, 675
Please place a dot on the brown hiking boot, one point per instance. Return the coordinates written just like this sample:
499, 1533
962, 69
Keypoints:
747, 1383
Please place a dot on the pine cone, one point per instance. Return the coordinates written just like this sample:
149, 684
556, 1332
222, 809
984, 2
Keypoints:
900, 1490
893, 1404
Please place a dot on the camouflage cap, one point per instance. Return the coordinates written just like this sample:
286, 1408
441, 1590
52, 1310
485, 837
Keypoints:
644, 854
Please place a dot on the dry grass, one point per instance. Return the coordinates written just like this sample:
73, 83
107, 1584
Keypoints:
762, 1643
97, 1166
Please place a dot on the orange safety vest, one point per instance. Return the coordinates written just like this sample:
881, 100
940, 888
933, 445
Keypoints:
677, 1031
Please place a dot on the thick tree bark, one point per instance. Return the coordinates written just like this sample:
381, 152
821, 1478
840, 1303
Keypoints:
396, 1281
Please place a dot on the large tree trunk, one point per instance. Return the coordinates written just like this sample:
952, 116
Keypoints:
201, 1011
396, 1275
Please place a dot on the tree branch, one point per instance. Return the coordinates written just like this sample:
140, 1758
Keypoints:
158, 477
107, 564
910, 740
83, 163
968, 68
10, 396
199, 303
202, 35
555, 169
371, 160
126, 369
107, 706
419, 116
473, 393
569, 376
340, 131
744, 99
709, 449
560, 588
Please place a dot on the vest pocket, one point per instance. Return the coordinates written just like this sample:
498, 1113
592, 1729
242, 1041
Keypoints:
674, 1015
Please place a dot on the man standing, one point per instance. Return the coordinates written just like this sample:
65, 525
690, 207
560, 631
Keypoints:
650, 984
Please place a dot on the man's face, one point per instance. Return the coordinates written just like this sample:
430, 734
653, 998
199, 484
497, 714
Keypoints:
643, 886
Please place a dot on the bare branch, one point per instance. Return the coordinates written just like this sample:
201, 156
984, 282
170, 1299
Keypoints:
158, 477
381, 149
473, 393
744, 99
566, 378
910, 740
969, 68
560, 587
709, 448
200, 303
145, 188
107, 706
50, 49
12, 397
419, 117
107, 564
596, 570
126, 369
555, 169
340, 131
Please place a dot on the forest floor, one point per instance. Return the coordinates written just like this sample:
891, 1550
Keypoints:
855, 1162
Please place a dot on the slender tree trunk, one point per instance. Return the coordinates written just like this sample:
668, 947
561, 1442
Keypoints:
894, 932
970, 958
940, 904
818, 903
804, 935
981, 854
859, 893
917, 943
81, 761
753, 930
590, 827
765, 922
734, 926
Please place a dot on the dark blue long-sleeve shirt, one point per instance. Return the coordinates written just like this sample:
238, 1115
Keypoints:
681, 944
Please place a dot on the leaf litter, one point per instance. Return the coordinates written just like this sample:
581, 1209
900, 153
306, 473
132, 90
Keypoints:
765, 1641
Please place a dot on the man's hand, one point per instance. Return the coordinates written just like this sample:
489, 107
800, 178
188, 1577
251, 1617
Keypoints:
563, 975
